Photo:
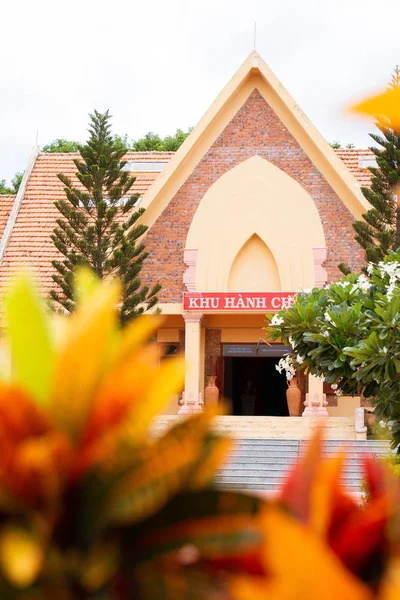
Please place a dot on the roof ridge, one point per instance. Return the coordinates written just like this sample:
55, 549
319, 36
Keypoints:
17, 202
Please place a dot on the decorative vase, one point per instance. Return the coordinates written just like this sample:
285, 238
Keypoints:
211, 393
293, 397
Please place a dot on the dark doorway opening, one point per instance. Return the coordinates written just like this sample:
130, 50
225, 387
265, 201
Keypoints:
255, 387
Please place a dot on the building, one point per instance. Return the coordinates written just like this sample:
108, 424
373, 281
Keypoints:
254, 206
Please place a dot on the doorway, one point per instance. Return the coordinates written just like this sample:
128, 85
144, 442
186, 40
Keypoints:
254, 386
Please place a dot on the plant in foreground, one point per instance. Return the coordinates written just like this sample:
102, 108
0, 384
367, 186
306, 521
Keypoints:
92, 506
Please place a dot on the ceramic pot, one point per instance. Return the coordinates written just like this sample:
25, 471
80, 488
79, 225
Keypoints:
293, 397
211, 393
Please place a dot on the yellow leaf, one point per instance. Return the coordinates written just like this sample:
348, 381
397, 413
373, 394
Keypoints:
135, 334
390, 589
82, 357
86, 284
29, 338
21, 556
100, 566
295, 555
161, 471
245, 587
214, 451
167, 382
384, 105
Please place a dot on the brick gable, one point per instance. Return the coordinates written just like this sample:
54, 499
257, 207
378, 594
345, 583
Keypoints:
254, 130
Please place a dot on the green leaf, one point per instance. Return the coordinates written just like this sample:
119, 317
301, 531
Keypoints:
30, 341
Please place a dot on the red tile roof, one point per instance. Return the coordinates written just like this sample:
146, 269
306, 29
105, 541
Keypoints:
6, 204
30, 241
351, 158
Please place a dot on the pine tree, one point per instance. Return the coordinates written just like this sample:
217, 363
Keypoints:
98, 223
379, 231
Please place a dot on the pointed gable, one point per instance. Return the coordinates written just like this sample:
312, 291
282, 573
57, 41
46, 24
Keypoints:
256, 117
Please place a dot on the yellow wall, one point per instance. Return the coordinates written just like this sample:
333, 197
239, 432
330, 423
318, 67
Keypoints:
255, 199
254, 269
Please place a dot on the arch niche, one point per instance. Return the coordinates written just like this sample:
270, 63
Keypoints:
254, 268
255, 218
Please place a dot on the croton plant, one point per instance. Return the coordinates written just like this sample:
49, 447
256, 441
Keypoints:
93, 506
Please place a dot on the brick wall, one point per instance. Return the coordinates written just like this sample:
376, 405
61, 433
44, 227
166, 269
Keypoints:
254, 130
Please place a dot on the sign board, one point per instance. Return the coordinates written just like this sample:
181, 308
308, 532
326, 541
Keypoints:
273, 350
237, 301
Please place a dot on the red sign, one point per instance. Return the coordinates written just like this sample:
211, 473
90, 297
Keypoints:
238, 301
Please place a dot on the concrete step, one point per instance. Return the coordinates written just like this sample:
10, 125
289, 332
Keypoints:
258, 487
263, 464
293, 428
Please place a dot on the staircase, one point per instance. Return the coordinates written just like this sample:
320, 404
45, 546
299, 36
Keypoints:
262, 464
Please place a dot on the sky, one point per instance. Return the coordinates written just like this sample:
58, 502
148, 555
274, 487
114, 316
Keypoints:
159, 65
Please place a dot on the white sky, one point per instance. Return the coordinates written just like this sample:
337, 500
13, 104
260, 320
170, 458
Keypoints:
158, 65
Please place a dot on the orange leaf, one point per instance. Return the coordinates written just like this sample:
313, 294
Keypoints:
83, 357
383, 105
295, 556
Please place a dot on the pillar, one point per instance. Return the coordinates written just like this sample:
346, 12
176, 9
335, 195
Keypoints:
315, 404
193, 362
202, 356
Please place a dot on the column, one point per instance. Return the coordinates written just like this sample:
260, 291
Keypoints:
193, 363
202, 356
315, 405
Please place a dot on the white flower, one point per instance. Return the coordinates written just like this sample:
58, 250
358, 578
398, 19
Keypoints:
392, 270
384, 350
286, 364
299, 359
370, 268
338, 393
334, 386
382, 423
363, 284
343, 284
325, 333
276, 320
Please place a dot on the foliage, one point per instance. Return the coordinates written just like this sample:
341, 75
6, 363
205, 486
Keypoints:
379, 229
15, 183
348, 333
336, 145
393, 465
97, 227
93, 507
4, 189
61, 145
89, 503
152, 141
148, 143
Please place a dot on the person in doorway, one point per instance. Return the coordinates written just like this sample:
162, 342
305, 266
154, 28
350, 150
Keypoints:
248, 399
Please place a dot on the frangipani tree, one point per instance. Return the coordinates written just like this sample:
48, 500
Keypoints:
348, 333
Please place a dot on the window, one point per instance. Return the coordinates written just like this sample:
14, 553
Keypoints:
145, 166
367, 161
